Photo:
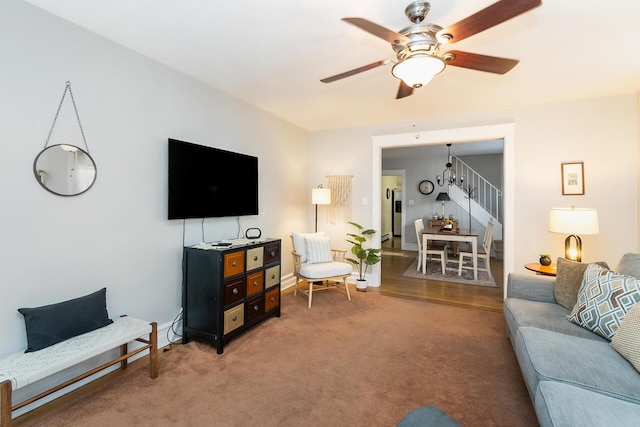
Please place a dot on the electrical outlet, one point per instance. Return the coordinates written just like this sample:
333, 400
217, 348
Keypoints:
365, 202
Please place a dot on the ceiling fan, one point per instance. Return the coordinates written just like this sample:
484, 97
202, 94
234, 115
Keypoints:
417, 47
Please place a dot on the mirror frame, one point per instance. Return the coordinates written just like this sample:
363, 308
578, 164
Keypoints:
38, 171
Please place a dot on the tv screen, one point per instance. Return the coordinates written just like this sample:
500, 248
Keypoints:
210, 182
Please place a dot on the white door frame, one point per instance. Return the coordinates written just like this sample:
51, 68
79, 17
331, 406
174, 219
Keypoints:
504, 131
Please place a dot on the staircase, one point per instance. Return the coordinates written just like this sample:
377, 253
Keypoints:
485, 201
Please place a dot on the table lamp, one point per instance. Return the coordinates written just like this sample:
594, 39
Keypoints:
320, 196
444, 197
573, 221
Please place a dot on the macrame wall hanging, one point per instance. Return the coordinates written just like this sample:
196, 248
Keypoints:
340, 207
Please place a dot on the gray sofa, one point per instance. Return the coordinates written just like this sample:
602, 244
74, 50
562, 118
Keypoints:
574, 376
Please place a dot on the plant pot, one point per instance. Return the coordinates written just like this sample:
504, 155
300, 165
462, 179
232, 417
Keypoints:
361, 285
545, 260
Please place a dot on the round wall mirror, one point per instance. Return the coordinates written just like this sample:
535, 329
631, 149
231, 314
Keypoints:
65, 170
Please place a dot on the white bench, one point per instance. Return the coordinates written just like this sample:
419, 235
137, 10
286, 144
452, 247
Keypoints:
21, 369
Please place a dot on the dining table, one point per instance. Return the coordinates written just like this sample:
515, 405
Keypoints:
451, 235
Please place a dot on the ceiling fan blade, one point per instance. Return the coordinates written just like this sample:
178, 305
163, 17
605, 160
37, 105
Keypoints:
404, 90
488, 17
355, 71
474, 61
377, 30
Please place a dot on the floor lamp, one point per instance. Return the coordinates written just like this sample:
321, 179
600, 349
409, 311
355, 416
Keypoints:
573, 221
320, 196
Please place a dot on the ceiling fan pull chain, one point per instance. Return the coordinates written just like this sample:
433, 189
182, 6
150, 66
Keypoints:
75, 108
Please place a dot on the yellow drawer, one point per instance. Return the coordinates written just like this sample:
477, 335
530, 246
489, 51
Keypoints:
255, 258
233, 318
272, 276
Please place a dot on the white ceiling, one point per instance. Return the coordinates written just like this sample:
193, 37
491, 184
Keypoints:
272, 54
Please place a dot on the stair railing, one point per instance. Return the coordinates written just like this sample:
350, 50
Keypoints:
486, 194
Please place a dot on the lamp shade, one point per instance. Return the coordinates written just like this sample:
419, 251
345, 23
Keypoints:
418, 70
443, 197
321, 196
573, 221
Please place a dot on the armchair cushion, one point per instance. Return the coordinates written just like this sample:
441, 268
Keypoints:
318, 249
325, 269
300, 245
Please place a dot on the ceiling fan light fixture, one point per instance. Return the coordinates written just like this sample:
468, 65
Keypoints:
418, 70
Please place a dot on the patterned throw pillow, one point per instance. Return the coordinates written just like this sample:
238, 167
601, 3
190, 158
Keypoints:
568, 281
318, 249
603, 300
626, 341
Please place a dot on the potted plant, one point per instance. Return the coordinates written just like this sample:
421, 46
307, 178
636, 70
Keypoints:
363, 257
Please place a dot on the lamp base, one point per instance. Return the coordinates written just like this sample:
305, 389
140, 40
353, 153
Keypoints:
574, 254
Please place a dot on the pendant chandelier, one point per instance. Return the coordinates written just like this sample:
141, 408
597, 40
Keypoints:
448, 175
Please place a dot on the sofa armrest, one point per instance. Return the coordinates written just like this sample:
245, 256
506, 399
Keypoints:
531, 287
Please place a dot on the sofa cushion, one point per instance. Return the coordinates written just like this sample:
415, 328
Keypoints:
299, 244
318, 249
568, 280
604, 299
629, 265
626, 341
592, 365
54, 323
325, 269
550, 316
560, 404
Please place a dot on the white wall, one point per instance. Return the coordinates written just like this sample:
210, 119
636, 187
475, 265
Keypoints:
602, 133
117, 234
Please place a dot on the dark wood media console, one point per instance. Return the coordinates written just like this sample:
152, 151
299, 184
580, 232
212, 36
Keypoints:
226, 290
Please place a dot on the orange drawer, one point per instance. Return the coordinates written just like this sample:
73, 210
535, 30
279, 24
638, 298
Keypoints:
271, 299
233, 318
234, 290
233, 263
255, 283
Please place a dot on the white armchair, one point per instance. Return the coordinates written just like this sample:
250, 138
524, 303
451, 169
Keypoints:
316, 263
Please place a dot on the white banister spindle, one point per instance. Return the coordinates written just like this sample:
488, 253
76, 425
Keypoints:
486, 195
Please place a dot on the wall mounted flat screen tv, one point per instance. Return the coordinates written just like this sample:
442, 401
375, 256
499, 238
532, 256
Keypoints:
210, 182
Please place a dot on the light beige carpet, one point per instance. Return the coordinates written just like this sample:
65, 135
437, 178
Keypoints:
367, 362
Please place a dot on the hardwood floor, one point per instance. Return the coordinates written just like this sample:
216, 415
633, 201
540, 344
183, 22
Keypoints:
395, 261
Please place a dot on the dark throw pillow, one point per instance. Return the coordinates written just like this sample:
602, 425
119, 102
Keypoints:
51, 324
568, 280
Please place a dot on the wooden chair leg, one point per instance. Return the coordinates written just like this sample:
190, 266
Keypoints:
310, 292
346, 286
153, 351
295, 291
5, 403
124, 349
460, 260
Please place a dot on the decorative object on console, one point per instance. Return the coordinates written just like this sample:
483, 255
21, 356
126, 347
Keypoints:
443, 197
363, 257
320, 196
573, 221
545, 259
448, 175
572, 179
65, 169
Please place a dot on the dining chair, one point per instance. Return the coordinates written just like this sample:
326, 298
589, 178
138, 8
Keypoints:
317, 264
484, 253
439, 249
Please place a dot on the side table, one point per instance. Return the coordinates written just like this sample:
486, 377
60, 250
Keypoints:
545, 270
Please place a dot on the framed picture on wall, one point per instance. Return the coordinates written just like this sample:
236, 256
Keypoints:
572, 178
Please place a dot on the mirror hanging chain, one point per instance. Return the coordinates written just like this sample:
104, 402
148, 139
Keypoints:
75, 108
